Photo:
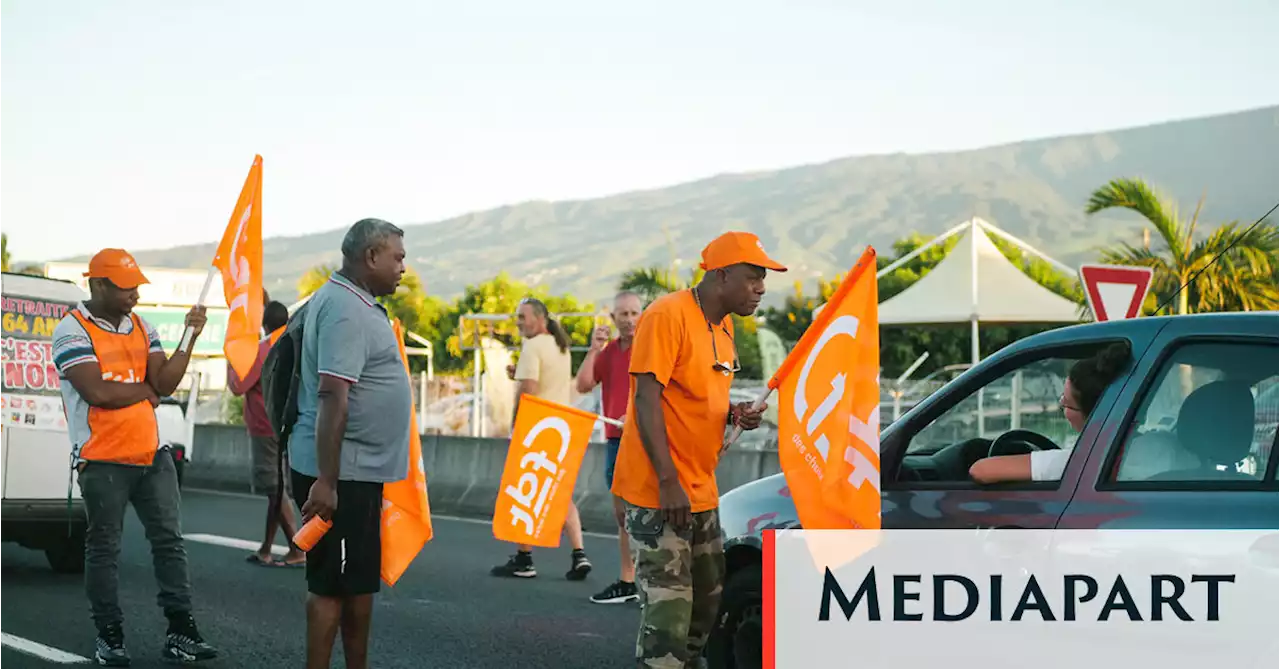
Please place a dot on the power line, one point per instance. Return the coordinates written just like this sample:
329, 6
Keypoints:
1215, 258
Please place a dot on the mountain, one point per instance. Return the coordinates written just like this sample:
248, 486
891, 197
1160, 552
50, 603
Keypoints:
817, 218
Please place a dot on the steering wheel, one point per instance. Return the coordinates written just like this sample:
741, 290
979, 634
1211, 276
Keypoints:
1034, 440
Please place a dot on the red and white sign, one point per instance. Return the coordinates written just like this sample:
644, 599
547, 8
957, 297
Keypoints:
1115, 292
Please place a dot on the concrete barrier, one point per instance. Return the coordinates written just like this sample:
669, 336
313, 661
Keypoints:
462, 472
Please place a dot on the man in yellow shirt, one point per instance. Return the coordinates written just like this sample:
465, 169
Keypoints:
545, 371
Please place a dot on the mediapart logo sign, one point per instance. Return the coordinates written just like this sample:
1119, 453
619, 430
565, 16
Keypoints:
1043, 598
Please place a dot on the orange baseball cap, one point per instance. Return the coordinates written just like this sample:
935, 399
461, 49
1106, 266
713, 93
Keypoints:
118, 267
734, 248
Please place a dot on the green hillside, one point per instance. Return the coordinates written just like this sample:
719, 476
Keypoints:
818, 217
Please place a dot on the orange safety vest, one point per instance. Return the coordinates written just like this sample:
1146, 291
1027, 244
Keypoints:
130, 435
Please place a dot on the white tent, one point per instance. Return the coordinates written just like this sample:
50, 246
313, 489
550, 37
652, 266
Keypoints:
976, 283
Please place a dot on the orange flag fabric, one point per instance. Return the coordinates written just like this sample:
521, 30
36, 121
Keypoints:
829, 409
239, 260
406, 511
548, 442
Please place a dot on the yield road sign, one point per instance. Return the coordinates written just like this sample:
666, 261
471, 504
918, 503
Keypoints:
1115, 292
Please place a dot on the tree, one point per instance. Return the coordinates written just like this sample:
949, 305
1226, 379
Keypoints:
314, 278
4, 251
418, 312
1241, 279
652, 282
501, 295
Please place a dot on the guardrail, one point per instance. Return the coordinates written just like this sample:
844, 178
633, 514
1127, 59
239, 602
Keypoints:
462, 472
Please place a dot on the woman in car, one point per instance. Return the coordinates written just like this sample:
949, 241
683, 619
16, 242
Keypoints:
1085, 383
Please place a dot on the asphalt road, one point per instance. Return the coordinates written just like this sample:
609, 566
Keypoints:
446, 611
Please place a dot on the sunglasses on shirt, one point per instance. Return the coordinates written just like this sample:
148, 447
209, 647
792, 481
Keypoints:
720, 366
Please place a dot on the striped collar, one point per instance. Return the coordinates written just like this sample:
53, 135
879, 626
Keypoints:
125, 326
349, 285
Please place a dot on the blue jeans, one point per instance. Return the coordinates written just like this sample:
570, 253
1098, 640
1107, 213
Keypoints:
611, 458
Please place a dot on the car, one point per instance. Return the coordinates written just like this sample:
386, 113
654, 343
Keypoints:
1157, 451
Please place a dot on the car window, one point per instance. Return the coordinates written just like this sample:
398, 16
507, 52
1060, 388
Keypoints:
1210, 416
1027, 398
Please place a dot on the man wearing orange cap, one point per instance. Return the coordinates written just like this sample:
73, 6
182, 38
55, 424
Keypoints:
682, 363
113, 372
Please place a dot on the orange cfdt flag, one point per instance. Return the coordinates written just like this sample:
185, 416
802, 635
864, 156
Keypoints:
548, 442
851, 481
819, 385
406, 511
239, 260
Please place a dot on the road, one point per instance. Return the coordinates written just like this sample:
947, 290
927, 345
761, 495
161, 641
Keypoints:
446, 611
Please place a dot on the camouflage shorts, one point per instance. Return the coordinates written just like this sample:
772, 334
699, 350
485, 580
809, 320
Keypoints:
680, 577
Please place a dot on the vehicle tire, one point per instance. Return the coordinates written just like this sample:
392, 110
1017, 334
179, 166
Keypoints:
736, 640
68, 556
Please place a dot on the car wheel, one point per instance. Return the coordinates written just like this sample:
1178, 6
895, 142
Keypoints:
67, 557
736, 640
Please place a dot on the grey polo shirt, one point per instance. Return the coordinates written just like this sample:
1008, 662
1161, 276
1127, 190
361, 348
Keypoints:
348, 335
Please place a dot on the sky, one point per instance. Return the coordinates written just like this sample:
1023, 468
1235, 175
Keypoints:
133, 123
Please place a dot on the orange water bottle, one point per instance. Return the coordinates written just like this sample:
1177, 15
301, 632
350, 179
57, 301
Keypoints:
310, 533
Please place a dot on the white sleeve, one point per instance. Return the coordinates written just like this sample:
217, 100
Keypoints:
1048, 465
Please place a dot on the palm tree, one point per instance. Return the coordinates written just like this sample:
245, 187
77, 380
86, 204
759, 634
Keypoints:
1241, 279
652, 282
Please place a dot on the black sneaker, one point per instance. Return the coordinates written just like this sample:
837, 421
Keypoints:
519, 566
618, 593
580, 566
183, 643
109, 650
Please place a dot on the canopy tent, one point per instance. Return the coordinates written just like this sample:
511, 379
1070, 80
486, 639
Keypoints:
977, 283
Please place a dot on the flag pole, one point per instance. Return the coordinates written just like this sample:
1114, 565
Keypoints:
204, 292
615, 423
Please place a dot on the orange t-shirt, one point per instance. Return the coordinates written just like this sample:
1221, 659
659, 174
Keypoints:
674, 343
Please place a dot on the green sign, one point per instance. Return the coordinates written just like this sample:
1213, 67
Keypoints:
170, 323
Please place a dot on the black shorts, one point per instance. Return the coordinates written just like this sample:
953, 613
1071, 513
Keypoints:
347, 560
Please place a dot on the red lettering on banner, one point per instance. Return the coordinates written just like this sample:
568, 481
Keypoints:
30, 375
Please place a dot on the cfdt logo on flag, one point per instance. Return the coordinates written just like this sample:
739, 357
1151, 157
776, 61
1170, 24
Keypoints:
548, 442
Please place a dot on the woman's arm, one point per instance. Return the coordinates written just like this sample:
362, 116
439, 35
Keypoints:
1001, 468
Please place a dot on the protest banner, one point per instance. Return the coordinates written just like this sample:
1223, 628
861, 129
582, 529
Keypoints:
32, 396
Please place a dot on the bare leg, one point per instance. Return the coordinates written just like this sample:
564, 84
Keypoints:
324, 615
573, 527
357, 613
624, 544
294, 556
273, 523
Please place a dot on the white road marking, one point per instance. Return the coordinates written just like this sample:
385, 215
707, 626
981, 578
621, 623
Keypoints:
241, 543
39, 650
230, 542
